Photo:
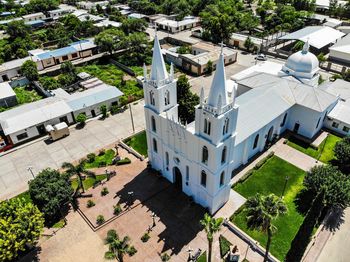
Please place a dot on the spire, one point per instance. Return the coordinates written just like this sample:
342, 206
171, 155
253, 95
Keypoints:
306, 47
158, 69
218, 86
144, 71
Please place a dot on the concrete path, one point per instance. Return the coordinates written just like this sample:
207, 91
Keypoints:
235, 201
321, 137
14, 173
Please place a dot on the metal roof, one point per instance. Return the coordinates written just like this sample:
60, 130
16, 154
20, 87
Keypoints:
317, 36
341, 112
342, 45
6, 90
339, 88
58, 52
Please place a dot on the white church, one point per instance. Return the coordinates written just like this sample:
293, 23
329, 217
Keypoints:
232, 124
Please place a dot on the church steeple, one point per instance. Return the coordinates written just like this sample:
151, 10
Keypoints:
218, 86
158, 69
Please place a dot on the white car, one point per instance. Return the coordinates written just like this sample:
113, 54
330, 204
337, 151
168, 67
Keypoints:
261, 57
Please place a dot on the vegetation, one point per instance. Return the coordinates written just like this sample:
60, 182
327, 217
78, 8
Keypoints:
106, 158
21, 223
104, 111
109, 40
342, 151
117, 209
324, 152
78, 170
186, 100
81, 119
145, 237
29, 70
209, 67
100, 220
24, 95
211, 226
90, 203
104, 191
225, 246
329, 188
50, 191
165, 257
138, 142
271, 179
123, 161
203, 257
118, 248
248, 43
261, 211
88, 182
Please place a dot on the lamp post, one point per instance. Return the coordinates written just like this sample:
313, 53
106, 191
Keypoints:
30, 169
132, 118
153, 215
285, 184
189, 253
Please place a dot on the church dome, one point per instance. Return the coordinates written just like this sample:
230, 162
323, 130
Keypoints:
302, 61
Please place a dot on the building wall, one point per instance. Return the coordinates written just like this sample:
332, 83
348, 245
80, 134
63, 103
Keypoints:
32, 132
339, 56
337, 126
96, 108
34, 18
8, 101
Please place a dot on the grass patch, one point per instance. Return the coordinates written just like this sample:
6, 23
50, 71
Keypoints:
59, 224
324, 151
106, 159
138, 142
224, 245
203, 257
270, 178
88, 182
112, 75
24, 96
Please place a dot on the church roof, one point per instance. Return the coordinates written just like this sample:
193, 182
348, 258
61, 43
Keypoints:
339, 88
270, 97
218, 86
303, 61
158, 69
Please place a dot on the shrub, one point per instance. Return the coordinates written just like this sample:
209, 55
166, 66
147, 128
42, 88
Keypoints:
224, 245
101, 152
90, 203
145, 237
263, 161
81, 119
104, 191
104, 112
100, 219
117, 209
91, 157
124, 161
245, 176
102, 163
132, 251
165, 257
114, 110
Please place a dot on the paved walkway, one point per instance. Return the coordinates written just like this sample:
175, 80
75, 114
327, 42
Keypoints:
321, 137
14, 173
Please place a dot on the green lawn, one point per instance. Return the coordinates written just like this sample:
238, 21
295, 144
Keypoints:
107, 157
324, 152
270, 178
112, 75
88, 182
138, 142
26, 96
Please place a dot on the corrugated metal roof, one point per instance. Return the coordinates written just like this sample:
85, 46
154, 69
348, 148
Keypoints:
58, 52
341, 112
318, 36
339, 88
6, 90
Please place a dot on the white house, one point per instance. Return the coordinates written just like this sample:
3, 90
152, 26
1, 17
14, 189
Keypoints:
34, 17
7, 95
200, 157
177, 26
340, 51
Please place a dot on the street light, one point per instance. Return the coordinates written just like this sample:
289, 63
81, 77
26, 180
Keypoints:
285, 184
132, 118
189, 253
153, 215
30, 169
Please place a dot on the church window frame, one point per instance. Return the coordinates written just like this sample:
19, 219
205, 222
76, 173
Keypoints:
256, 141
224, 155
167, 159
155, 145
225, 127
153, 124
222, 178
318, 122
152, 99
205, 155
207, 126
167, 98
203, 178
284, 120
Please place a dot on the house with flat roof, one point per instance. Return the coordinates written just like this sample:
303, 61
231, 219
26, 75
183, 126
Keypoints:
7, 95
173, 26
61, 11
91, 5
33, 17
12, 69
340, 51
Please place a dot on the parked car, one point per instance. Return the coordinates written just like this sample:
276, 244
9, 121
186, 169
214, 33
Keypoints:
261, 57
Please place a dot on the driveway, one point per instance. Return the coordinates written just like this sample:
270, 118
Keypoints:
14, 173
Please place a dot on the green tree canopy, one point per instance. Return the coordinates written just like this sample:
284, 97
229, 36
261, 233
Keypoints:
342, 151
17, 29
49, 191
29, 70
186, 100
20, 224
211, 226
133, 25
109, 40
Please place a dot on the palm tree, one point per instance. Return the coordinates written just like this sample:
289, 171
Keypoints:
211, 226
261, 211
117, 247
78, 170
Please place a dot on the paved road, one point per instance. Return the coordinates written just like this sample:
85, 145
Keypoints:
96, 134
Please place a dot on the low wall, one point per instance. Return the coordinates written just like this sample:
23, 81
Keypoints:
123, 67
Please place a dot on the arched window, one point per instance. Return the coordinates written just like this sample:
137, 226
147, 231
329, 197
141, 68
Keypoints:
151, 98
233, 174
167, 159
222, 178
155, 147
256, 140
223, 155
167, 97
207, 126
153, 122
318, 122
225, 128
203, 179
205, 155
284, 120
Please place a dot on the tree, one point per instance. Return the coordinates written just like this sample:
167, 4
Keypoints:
109, 40
79, 170
138, 48
20, 225
17, 29
50, 191
81, 119
342, 151
211, 226
248, 22
68, 68
29, 70
133, 25
209, 67
186, 100
248, 43
321, 58
261, 211
104, 112
118, 248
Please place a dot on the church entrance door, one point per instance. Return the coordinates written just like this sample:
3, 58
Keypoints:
177, 178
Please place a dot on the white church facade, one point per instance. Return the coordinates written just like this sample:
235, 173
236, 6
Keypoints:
234, 123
